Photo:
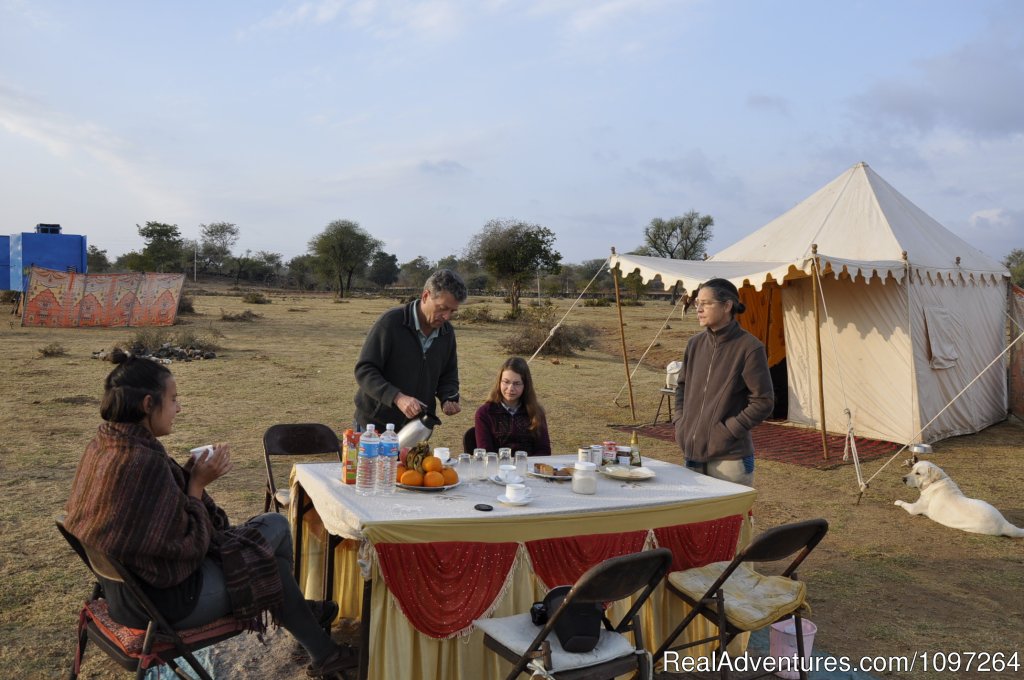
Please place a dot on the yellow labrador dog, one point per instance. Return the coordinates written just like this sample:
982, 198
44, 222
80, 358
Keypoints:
942, 501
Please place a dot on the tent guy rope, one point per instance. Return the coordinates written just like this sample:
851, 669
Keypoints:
554, 329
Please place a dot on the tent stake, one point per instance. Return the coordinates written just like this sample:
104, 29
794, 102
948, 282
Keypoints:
817, 342
622, 334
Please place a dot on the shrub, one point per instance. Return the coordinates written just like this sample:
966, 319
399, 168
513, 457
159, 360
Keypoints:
185, 305
534, 329
248, 315
54, 349
256, 298
147, 339
9, 296
598, 302
190, 339
476, 314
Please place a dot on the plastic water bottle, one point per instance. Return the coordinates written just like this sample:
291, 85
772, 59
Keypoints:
366, 468
387, 460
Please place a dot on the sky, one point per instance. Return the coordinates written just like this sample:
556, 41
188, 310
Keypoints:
423, 120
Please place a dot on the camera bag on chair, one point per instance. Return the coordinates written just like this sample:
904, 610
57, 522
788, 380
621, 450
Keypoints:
579, 628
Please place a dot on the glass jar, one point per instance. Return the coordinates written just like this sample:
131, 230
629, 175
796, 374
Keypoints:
584, 478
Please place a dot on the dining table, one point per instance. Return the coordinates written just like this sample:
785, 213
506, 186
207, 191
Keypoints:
418, 567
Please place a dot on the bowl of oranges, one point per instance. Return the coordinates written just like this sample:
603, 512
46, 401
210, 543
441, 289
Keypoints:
425, 473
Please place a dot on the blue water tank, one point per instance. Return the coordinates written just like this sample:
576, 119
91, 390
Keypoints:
46, 248
5, 262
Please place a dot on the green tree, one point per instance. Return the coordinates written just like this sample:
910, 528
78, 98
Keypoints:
586, 270
1015, 263
301, 272
216, 241
634, 285
96, 260
132, 261
383, 269
513, 252
163, 249
342, 250
682, 238
414, 273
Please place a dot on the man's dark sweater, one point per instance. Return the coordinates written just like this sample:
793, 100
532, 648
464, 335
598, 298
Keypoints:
392, 360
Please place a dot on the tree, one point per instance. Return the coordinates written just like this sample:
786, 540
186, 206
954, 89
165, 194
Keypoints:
301, 271
265, 267
163, 250
1015, 263
96, 260
682, 238
342, 249
414, 273
132, 261
383, 269
216, 240
513, 252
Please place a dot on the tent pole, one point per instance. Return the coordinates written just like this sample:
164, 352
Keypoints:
817, 342
622, 334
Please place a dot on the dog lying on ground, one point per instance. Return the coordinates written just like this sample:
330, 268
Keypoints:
942, 501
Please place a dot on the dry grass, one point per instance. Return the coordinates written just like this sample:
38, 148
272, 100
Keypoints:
883, 583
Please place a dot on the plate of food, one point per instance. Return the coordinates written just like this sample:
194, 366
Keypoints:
428, 489
633, 474
559, 473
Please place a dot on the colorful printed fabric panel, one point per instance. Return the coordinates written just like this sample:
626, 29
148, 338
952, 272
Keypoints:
67, 299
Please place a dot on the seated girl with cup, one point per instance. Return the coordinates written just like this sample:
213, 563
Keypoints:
512, 417
131, 500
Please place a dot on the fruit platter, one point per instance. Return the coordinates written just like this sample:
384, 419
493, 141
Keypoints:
421, 470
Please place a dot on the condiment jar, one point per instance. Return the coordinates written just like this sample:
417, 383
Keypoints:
584, 478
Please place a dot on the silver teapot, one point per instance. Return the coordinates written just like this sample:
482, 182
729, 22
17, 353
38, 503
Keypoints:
417, 430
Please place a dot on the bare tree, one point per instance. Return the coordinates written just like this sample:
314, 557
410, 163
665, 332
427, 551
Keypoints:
682, 238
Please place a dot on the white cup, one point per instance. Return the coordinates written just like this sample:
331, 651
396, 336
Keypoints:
443, 454
198, 451
507, 473
516, 492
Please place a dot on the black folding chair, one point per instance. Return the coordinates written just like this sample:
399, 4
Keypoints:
300, 439
738, 599
535, 649
134, 649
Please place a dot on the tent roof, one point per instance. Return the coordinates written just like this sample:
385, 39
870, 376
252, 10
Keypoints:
859, 223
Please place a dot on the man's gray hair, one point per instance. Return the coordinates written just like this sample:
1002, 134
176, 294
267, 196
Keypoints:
446, 281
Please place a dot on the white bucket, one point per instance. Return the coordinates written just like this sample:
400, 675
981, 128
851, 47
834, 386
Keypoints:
782, 643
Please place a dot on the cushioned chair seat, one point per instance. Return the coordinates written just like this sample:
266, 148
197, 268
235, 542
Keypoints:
130, 640
752, 599
517, 632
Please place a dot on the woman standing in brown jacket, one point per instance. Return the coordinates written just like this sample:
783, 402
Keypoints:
724, 388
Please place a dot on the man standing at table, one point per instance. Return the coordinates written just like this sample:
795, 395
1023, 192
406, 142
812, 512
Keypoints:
409, 357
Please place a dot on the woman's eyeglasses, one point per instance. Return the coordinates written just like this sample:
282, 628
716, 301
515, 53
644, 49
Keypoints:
508, 383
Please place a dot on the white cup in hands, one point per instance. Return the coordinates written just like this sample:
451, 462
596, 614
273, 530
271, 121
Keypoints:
198, 451
517, 492
507, 473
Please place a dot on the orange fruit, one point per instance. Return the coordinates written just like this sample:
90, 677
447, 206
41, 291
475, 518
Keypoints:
411, 478
450, 476
433, 478
432, 464
399, 471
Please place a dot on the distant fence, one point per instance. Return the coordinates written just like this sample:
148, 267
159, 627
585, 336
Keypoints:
70, 300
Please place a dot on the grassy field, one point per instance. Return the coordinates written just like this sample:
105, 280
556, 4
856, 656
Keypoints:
882, 583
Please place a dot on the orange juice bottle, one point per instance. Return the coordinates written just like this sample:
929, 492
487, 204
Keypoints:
350, 450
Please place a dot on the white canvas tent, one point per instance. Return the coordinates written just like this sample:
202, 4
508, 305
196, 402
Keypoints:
911, 313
